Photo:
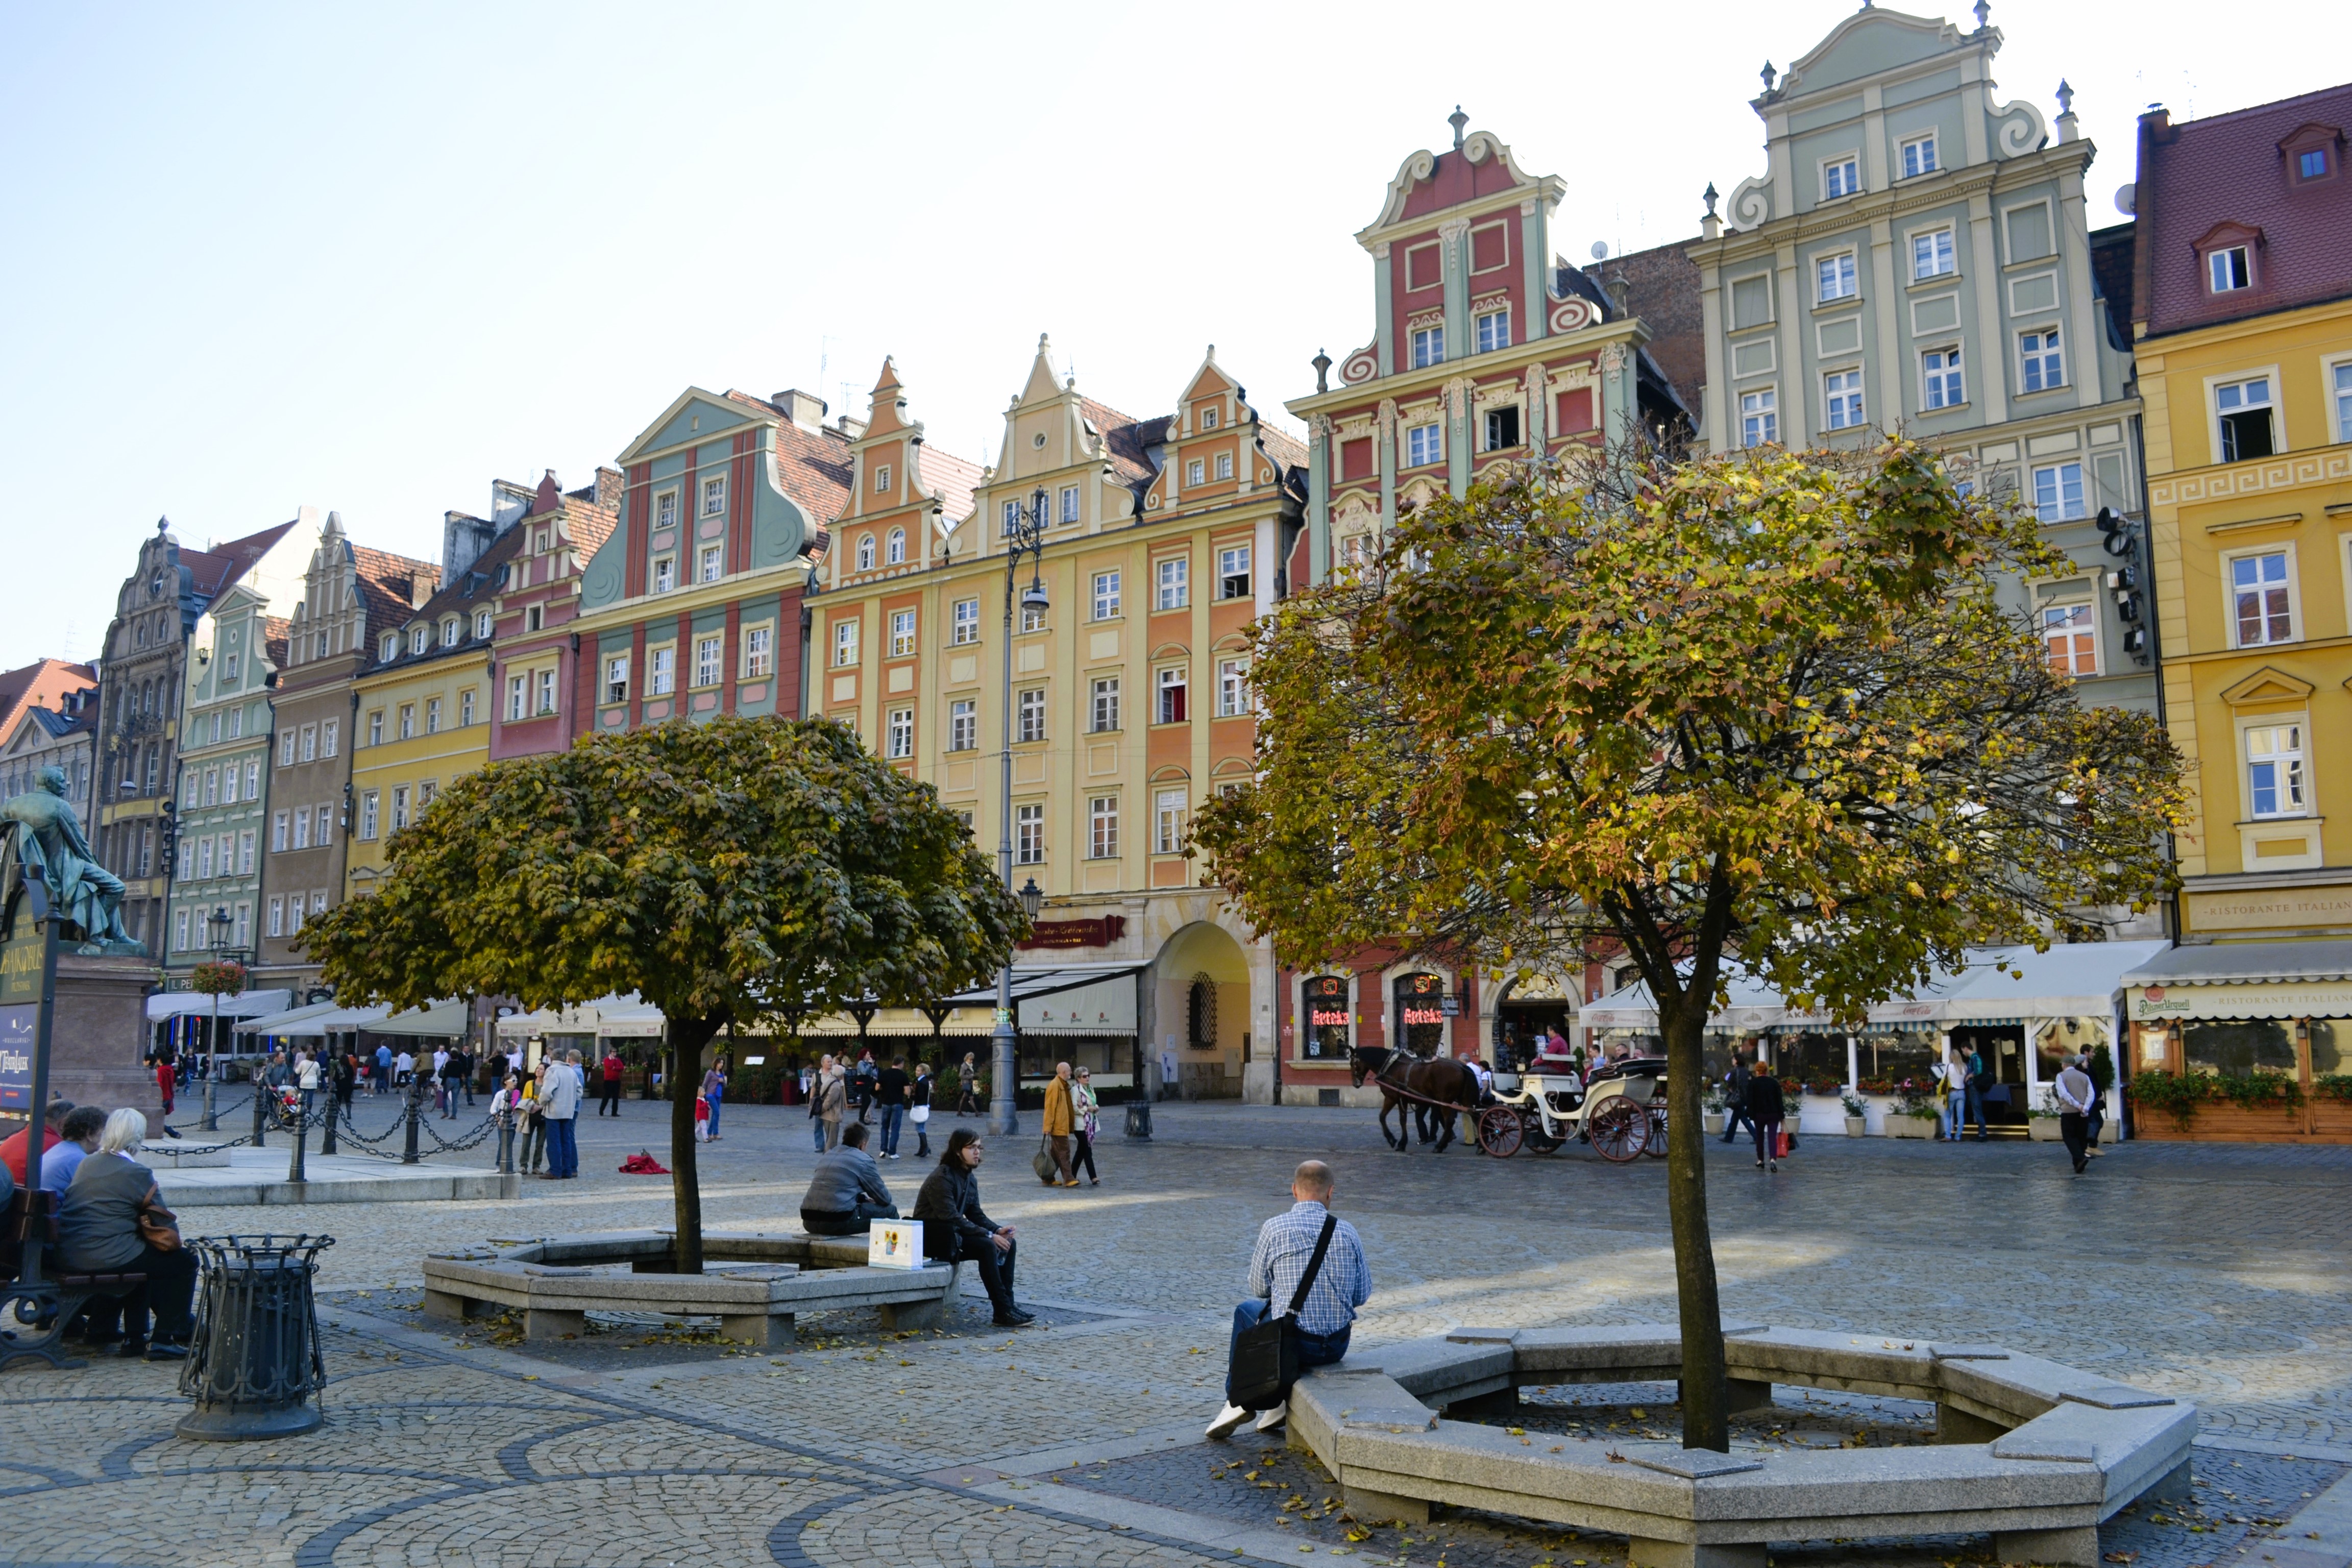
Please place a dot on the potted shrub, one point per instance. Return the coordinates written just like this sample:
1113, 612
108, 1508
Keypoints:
1913, 1114
2041, 1121
1717, 1109
1857, 1114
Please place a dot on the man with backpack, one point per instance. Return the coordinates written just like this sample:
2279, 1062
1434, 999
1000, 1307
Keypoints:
1311, 1262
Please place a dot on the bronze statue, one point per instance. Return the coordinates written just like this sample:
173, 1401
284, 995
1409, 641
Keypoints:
39, 828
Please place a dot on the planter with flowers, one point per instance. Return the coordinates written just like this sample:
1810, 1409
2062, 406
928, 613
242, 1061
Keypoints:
1857, 1114
1913, 1114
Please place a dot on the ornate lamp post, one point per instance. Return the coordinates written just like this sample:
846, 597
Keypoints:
1025, 534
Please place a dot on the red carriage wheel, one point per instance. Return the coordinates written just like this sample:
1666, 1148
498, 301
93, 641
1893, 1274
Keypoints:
1499, 1130
1654, 1145
1618, 1130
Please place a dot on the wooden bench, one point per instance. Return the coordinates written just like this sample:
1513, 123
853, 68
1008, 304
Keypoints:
33, 1325
755, 1284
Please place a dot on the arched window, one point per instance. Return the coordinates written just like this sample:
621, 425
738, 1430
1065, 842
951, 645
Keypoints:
1421, 1014
866, 553
390, 649
449, 632
419, 638
898, 548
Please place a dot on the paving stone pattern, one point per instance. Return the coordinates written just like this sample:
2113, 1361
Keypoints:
2219, 1273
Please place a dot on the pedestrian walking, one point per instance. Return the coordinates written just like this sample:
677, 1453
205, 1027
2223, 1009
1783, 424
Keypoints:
1312, 1261
166, 1082
2076, 1092
608, 1102
343, 1078
967, 1081
956, 1229
305, 1079
862, 1084
1975, 1089
919, 1108
1765, 1109
714, 1089
453, 1081
890, 1094
1734, 1098
814, 1095
1087, 1114
561, 1091
382, 1077
1959, 1092
833, 1104
1058, 1120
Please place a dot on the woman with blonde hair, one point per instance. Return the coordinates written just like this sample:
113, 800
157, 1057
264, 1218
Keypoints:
113, 1221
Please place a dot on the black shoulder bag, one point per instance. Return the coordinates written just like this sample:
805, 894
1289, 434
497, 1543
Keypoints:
1265, 1356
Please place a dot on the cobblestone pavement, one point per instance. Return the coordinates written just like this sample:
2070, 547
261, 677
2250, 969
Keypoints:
2218, 1273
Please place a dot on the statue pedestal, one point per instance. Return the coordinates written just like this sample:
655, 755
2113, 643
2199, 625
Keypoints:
99, 1035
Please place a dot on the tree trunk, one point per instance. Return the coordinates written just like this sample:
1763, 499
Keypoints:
686, 1038
1705, 1424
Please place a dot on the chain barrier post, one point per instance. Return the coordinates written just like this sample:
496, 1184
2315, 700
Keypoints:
301, 1119
506, 1146
212, 1115
408, 1156
260, 1108
334, 1111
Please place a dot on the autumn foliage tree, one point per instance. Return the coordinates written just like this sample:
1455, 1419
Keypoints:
1765, 705
728, 872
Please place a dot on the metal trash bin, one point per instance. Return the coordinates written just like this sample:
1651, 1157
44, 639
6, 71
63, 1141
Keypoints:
254, 1366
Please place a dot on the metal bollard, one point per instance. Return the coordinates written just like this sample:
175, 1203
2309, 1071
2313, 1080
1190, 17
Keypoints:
212, 1116
254, 1365
408, 1155
260, 1111
506, 1146
294, 1172
334, 1114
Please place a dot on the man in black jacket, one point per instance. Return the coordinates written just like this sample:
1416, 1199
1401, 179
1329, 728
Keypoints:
955, 1230
1735, 1099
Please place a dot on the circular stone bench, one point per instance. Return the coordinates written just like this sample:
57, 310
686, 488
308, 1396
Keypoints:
2036, 1453
761, 1282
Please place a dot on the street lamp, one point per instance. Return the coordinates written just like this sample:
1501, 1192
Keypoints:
219, 924
1025, 534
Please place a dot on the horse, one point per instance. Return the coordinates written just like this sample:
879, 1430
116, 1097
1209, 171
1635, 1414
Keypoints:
1406, 1079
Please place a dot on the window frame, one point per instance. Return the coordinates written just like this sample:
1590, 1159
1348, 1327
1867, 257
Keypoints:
1850, 162
2335, 397
865, 553
846, 634
1171, 689
893, 548
1102, 828
1931, 164
709, 653
1171, 589
2089, 627
1499, 337
1233, 686
1029, 833
661, 671
759, 651
1767, 411
881, 478
963, 629
1107, 596
1029, 716
2301, 756
1428, 346
2244, 251
2217, 417
1833, 395
713, 489
898, 734
1069, 505
963, 724
1424, 444
1849, 262
663, 578
1227, 575
2042, 359
711, 564
1196, 472
1102, 704
1487, 429
2057, 471
1941, 378
1168, 822
906, 634
1948, 252
2231, 621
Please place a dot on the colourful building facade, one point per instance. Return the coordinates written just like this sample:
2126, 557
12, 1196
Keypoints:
540, 690
223, 778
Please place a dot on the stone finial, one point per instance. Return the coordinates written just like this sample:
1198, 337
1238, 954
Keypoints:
1460, 121
2066, 96
1767, 73
1322, 363
1711, 198
1984, 15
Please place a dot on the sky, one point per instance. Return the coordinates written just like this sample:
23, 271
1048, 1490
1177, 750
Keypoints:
369, 259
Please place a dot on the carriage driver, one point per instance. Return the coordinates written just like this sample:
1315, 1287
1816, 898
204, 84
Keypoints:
1284, 1245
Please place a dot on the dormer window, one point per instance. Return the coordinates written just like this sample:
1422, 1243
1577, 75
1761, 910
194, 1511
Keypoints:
1208, 417
481, 623
881, 478
390, 648
450, 633
2312, 152
2229, 270
2311, 165
1919, 157
419, 638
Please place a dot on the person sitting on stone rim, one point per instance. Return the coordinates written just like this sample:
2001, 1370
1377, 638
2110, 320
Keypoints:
1285, 1244
847, 1194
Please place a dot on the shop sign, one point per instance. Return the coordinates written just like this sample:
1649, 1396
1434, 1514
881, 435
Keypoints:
1099, 932
1328, 1014
18, 1026
2268, 909
1421, 1001
2150, 1004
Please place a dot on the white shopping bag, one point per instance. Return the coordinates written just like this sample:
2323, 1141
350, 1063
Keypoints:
895, 1243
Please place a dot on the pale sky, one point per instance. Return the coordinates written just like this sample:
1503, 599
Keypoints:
364, 259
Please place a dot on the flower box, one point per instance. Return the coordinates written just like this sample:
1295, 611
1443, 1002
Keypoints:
1901, 1126
2042, 1128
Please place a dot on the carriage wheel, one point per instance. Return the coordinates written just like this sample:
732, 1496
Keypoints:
1538, 1141
1498, 1132
1618, 1132
1654, 1146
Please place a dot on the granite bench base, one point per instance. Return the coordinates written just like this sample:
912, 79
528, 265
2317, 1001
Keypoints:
754, 1284
2036, 1453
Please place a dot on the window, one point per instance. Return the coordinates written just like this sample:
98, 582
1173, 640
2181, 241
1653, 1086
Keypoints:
661, 671
1106, 596
328, 737
665, 509
758, 652
212, 786
2274, 769
1751, 300
2071, 639
1033, 618
1102, 828
1174, 690
253, 781
310, 742
963, 725
481, 623
326, 826
547, 691
408, 720
2311, 165
302, 830
228, 785
881, 478
1493, 331
419, 637
2339, 385
1932, 255
2258, 587
844, 643
1840, 177
294, 915
665, 574
1196, 473
1030, 715
1012, 517
706, 661
713, 562
1168, 821
433, 715
245, 853
1070, 503
533, 616
1428, 347
425, 793
228, 668
894, 551
1760, 418
178, 933
1422, 446
1234, 573
399, 807
899, 733
449, 634
1918, 157
376, 728
714, 497
1835, 277
2244, 407
1175, 572
1224, 465
517, 694
1208, 416
1843, 392
2228, 271
2045, 366
964, 622
1232, 687
286, 748
1028, 834
2058, 492
368, 803
902, 633
1106, 703
866, 553
1941, 371
236, 721
278, 917
1502, 429
204, 867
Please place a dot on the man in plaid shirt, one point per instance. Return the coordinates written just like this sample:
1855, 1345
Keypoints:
1284, 1245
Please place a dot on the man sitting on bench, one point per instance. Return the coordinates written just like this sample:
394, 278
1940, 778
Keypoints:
847, 1195
99, 1234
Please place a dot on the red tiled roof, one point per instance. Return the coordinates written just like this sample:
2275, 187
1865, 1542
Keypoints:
811, 467
473, 588
214, 570
1287, 450
43, 683
1128, 439
275, 632
2230, 168
383, 585
952, 477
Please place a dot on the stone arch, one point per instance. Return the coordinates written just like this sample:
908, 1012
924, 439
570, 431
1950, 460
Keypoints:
1203, 998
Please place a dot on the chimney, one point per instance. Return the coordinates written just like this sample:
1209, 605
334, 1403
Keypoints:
803, 409
611, 485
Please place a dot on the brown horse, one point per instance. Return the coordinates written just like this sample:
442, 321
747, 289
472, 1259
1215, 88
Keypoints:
1409, 1080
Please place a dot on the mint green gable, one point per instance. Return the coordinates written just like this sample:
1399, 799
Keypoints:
698, 419
605, 577
779, 529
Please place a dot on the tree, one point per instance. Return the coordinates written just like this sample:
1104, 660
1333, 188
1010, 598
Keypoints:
1764, 707
727, 872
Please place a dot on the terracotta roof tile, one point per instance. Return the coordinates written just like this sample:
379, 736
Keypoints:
812, 468
1287, 450
214, 570
40, 683
952, 477
472, 589
1128, 439
275, 632
383, 584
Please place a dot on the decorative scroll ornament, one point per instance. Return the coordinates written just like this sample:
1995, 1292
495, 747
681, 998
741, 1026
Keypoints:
1362, 365
1571, 315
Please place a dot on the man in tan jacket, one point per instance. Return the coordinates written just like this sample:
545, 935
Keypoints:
1059, 1120
832, 1103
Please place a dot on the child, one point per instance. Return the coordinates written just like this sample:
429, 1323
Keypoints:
702, 1119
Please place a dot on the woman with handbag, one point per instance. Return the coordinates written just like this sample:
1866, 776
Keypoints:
919, 1108
1086, 1113
113, 1221
956, 1230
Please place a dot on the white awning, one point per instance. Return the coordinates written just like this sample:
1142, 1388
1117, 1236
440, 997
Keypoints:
1103, 1007
582, 1019
2244, 980
637, 1021
250, 1004
281, 1023
437, 1020
336, 1021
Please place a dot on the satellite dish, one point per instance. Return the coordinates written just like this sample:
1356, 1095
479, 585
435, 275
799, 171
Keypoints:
1599, 250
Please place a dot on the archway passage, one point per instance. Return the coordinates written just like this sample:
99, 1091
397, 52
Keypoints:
1203, 1013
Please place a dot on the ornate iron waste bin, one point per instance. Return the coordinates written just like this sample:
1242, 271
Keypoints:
255, 1366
